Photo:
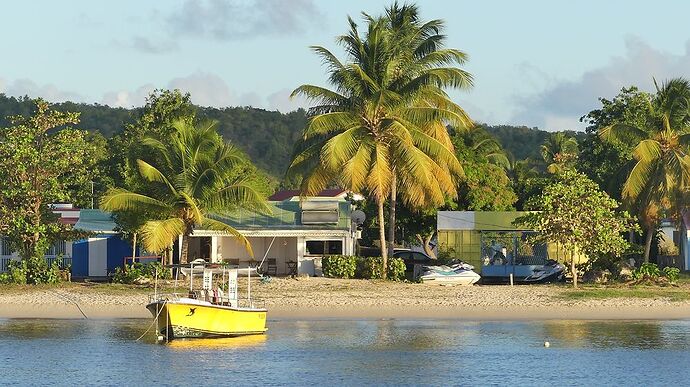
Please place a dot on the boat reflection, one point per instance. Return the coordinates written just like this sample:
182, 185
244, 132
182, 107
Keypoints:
247, 341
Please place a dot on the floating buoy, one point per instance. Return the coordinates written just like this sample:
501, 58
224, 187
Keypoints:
160, 337
547, 344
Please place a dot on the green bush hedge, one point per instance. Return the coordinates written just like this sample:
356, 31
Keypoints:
32, 271
343, 266
339, 266
137, 270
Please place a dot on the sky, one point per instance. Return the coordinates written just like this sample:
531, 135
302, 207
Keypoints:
539, 63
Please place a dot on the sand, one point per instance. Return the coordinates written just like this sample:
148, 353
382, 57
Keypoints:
323, 298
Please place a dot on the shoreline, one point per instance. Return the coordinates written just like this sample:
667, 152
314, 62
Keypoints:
360, 312
340, 299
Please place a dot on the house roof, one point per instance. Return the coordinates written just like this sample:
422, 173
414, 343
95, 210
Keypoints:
284, 215
291, 193
96, 221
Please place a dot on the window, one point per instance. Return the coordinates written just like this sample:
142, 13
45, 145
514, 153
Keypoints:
324, 247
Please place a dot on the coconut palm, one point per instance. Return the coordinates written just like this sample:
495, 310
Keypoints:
197, 177
382, 126
661, 170
559, 152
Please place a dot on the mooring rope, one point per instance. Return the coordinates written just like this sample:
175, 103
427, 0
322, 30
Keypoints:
67, 298
155, 319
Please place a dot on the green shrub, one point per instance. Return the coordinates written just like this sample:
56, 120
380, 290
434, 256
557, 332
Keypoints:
31, 271
372, 268
396, 269
137, 270
339, 266
647, 270
671, 273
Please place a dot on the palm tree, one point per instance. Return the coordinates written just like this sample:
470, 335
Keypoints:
382, 126
559, 152
197, 177
661, 170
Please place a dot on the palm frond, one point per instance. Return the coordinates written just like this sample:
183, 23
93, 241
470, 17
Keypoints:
158, 235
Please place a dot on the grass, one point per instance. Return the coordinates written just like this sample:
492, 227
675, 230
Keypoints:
602, 293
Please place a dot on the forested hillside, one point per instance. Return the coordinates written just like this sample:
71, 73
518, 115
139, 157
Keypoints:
266, 136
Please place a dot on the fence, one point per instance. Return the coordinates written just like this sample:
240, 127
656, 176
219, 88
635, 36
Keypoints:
62, 261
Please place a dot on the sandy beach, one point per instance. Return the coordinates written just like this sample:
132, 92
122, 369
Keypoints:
324, 298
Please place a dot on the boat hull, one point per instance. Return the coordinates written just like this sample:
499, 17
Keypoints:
178, 319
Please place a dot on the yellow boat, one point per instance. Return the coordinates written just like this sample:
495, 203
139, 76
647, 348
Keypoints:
208, 312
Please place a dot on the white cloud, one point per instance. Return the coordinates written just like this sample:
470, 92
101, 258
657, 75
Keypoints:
281, 101
128, 99
207, 89
26, 87
235, 19
561, 103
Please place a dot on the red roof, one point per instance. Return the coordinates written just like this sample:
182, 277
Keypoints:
291, 193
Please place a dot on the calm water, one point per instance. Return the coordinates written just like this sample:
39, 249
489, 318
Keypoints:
393, 352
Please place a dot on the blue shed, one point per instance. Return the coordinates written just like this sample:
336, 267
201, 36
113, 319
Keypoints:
101, 254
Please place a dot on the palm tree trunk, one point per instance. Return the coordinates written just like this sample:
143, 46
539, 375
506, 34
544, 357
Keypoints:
391, 217
648, 243
184, 249
382, 236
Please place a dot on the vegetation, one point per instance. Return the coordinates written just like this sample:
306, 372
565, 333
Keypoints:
195, 177
662, 164
42, 161
576, 214
383, 125
138, 272
343, 266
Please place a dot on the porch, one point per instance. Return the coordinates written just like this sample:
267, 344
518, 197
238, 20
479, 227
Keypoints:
277, 253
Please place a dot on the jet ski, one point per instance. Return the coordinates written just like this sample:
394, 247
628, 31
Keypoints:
458, 274
552, 271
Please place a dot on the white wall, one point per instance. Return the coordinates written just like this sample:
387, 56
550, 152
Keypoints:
98, 257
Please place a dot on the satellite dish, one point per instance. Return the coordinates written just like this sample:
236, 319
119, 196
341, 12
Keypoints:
358, 217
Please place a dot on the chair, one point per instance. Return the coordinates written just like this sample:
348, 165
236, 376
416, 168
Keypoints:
272, 267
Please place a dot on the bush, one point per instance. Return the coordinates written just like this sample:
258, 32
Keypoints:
671, 273
339, 266
372, 268
31, 271
647, 270
396, 269
343, 266
137, 270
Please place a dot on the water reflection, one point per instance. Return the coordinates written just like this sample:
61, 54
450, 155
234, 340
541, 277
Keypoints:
366, 352
617, 334
225, 343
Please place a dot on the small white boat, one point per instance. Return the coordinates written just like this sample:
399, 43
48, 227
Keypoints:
458, 274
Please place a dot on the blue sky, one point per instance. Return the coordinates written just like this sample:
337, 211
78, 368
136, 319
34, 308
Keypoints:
535, 63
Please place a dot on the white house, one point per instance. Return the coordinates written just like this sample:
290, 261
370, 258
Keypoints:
292, 237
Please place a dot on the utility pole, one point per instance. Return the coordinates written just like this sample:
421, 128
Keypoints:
92, 194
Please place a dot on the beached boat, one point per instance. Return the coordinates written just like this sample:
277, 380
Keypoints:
215, 310
457, 274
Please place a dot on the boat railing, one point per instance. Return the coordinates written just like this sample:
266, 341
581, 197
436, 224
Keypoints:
208, 297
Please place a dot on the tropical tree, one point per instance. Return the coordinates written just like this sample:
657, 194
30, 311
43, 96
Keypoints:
661, 170
42, 161
196, 178
575, 213
383, 125
559, 152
